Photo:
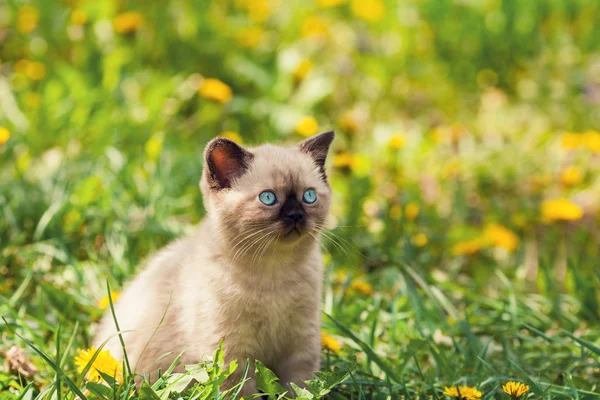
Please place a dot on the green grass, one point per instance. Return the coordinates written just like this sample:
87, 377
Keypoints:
450, 119
414, 335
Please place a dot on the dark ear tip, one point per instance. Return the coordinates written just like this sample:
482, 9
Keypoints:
219, 142
330, 135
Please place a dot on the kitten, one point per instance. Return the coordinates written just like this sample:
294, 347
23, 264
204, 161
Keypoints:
251, 274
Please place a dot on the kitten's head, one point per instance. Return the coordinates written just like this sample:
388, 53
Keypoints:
267, 195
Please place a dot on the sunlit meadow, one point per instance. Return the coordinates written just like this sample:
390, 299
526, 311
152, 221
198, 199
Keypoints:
464, 241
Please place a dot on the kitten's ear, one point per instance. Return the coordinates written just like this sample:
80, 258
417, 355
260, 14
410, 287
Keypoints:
225, 161
317, 147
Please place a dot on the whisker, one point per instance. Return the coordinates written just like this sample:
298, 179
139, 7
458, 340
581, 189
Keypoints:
267, 231
246, 243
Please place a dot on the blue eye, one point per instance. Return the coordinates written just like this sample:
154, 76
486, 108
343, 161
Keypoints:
268, 198
310, 196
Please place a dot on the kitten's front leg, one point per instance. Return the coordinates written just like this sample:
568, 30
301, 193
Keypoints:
298, 367
249, 387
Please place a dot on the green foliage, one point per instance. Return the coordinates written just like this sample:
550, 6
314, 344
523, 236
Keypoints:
456, 122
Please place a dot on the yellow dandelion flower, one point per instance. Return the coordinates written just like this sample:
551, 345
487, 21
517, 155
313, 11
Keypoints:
361, 287
21, 66
330, 3
396, 142
560, 210
35, 70
463, 392
307, 126
571, 140
4, 135
27, 19
314, 26
302, 69
468, 247
258, 10
436, 134
231, 135
33, 100
104, 302
343, 160
515, 389
571, 176
79, 17
72, 221
104, 363
396, 212
154, 146
128, 22
330, 343
250, 37
368, 10
411, 211
591, 140
500, 236
419, 239
348, 122
216, 90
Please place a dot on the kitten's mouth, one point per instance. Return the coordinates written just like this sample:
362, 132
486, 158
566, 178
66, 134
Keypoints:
293, 232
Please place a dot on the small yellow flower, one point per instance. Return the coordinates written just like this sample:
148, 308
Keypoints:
214, 89
330, 3
436, 134
35, 70
21, 66
571, 176
396, 212
419, 240
330, 343
79, 17
250, 37
314, 26
560, 210
258, 10
104, 302
396, 142
154, 146
362, 287
231, 135
343, 160
500, 236
302, 69
468, 247
4, 135
27, 19
128, 22
463, 392
368, 10
411, 211
348, 122
104, 363
23, 162
307, 126
571, 140
515, 389
33, 100
591, 140
72, 221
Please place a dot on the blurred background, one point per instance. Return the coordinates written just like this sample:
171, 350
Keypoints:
467, 134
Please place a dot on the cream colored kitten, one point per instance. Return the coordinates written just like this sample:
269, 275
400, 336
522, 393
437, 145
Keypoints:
251, 274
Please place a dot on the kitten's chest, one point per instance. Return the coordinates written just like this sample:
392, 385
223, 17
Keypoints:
260, 322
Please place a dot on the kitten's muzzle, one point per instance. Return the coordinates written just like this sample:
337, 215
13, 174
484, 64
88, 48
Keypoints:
293, 215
